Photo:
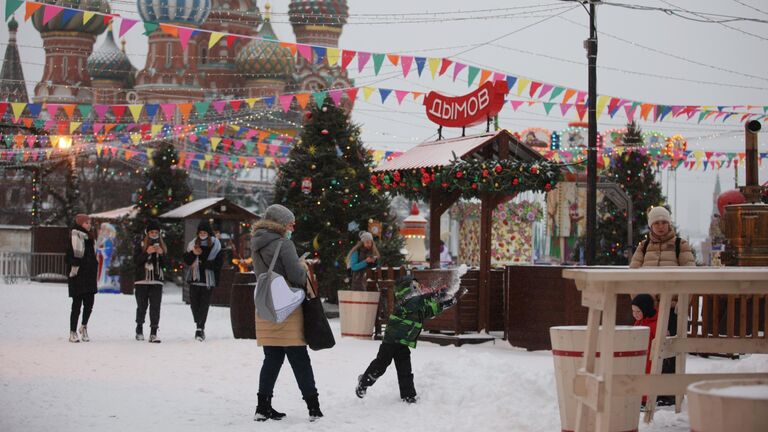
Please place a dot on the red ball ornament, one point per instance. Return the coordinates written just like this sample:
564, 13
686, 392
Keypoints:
324, 132
547, 187
362, 186
307, 115
534, 170
459, 174
444, 185
515, 181
293, 184
485, 173
345, 201
474, 185
497, 169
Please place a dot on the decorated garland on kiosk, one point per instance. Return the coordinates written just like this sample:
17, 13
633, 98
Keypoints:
471, 177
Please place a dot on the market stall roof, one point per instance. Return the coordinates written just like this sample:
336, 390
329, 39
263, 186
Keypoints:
217, 208
130, 212
441, 153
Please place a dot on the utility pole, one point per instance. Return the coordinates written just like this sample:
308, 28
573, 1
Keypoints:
591, 47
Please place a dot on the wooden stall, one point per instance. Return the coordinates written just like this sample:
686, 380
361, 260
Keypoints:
234, 224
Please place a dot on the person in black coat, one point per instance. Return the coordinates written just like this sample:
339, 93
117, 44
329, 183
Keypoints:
83, 272
203, 260
149, 257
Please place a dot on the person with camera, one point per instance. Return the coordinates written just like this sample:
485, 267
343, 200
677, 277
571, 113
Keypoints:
362, 256
149, 258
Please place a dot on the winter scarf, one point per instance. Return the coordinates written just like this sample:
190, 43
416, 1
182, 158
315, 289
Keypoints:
210, 279
78, 239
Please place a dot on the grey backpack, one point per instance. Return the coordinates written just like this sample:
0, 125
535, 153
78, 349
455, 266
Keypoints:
273, 297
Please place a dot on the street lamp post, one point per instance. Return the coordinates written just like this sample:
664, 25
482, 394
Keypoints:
591, 47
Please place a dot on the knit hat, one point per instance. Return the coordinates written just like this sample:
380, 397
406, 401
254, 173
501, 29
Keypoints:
366, 236
645, 303
279, 214
81, 218
152, 224
659, 214
205, 226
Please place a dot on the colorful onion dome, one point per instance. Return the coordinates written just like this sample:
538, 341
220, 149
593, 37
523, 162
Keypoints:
264, 57
191, 12
63, 22
333, 13
109, 62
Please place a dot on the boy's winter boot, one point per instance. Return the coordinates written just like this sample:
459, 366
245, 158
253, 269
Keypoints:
84, 334
264, 410
363, 382
313, 405
139, 332
73, 337
407, 390
153, 335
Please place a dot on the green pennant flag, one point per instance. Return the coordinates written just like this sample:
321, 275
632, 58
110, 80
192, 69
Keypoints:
319, 98
119, 127
249, 146
378, 59
149, 28
85, 110
548, 106
473, 71
39, 123
11, 6
701, 115
556, 92
202, 108
765, 109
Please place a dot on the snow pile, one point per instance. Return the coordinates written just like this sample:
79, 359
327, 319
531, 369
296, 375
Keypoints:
115, 383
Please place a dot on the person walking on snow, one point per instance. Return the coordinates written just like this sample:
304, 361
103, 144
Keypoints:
411, 309
203, 261
149, 258
284, 339
83, 271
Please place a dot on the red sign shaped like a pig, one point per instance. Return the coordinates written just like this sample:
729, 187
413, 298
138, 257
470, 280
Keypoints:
468, 110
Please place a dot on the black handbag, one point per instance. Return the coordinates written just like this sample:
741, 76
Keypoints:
317, 331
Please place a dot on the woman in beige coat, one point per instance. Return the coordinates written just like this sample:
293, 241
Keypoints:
285, 339
661, 248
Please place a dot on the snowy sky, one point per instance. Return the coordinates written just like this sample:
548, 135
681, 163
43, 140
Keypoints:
649, 56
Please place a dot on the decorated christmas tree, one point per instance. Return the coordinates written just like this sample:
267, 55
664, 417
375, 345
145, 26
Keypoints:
325, 183
632, 169
164, 188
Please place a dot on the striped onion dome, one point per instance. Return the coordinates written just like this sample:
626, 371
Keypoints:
192, 12
333, 13
95, 25
109, 62
264, 57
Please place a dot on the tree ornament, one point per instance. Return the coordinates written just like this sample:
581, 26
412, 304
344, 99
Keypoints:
459, 174
306, 185
548, 187
293, 184
534, 169
324, 109
308, 115
497, 168
324, 132
515, 181
485, 173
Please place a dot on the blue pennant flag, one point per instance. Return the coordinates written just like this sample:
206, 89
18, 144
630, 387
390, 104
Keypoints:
420, 62
384, 94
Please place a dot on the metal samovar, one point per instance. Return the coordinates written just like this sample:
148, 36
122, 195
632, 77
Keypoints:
746, 225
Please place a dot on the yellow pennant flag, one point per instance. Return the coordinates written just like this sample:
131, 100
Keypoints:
332, 54
135, 111
215, 36
433, 64
150, 152
601, 102
251, 101
268, 161
87, 16
99, 149
136, 137
18, 108
73, 126
208, 157
201, 164
522, 83
215, 142
367, 91
156, 128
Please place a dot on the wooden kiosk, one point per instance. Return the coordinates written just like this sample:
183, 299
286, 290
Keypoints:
233, 221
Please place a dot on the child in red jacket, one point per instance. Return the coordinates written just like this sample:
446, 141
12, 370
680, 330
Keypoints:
644, 312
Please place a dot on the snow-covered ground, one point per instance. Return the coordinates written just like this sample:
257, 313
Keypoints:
115, 383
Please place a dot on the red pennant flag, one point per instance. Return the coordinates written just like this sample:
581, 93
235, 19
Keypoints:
534, 86
444, 65
235, 104
231, 41
118, 111
581, 109
346, 58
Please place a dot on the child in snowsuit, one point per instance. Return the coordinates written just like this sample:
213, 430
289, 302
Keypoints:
403, 328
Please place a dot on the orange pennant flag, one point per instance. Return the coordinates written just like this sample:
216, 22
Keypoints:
69, 109
302, 99
185, 109
568, 95
108, 127
27, 122
645, 109
290, 45
484, 76
416, 95
31, 8
394, 59
170, 29
261, 148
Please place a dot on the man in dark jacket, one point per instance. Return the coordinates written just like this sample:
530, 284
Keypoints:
411, 309
83, 271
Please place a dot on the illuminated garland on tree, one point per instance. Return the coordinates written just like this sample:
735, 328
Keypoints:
472, 178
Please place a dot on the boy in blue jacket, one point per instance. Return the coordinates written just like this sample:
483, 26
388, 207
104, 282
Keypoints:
403, 328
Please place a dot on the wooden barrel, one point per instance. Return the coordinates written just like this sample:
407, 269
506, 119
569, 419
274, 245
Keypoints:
630, 353
242, 311
357, 313
729, 404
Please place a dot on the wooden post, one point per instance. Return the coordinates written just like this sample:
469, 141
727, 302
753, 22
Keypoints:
439, 202
487, 203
